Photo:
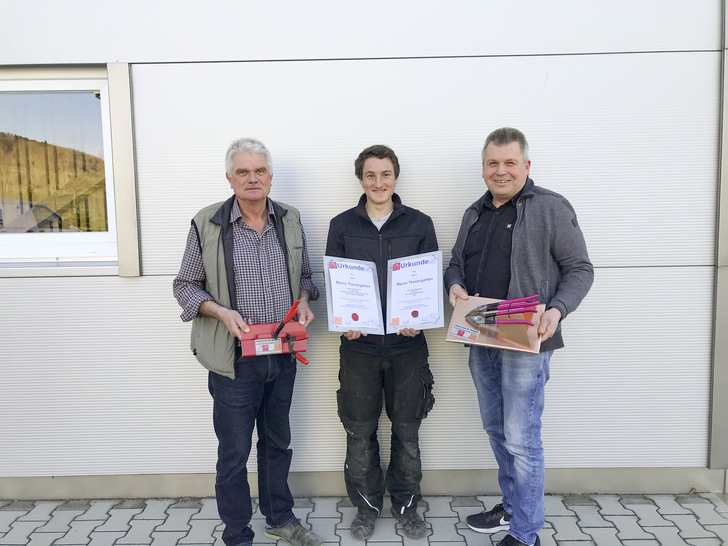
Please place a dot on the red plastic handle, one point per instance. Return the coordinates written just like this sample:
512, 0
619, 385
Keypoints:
299, 357
292, 311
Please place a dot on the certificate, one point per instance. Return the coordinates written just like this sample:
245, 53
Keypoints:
352, 296
414, 292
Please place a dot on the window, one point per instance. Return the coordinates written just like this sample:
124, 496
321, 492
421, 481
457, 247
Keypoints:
56, 177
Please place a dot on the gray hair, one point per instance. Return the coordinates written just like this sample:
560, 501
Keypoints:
246, 145
503, 137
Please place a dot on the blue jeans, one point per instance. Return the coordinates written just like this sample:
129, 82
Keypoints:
259, 395
510, 386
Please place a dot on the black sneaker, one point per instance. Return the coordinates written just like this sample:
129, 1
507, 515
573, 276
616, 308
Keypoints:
510, 541
491, 521
362, 528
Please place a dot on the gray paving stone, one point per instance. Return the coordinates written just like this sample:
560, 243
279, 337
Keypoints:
685, 500
325, 508
19, 506
325, 528
633, 500
119, 519
140, 532
155, 509
209, 510
178, 519
44, 539
201, 532
166, 538
589, 516
666, 504
704, 542
108, 538
649, 516
60, 522
666, 535
721, 531
628, 529
20, 532
642, 543
7, 518
465, 501
578, 500
603, 536
439, 507
41, 511
132, 504
689, 527
75, 505
567, 529
707, 514
554, 506
443, 530
99, 510
187, 504
80, 532
611, 505
546, 536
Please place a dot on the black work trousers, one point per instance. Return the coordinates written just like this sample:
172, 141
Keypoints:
406, 382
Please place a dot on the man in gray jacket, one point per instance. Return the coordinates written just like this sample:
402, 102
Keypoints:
517, 240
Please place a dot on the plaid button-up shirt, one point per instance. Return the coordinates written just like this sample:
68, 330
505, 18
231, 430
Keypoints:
261, 278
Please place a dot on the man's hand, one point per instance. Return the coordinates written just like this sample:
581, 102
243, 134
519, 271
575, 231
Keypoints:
305, 315
229, 317
353, 334
409, 332
457, 292
549, 321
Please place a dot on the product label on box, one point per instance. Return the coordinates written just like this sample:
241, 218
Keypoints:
268, 347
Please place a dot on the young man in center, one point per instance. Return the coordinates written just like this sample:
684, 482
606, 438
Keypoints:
378, 229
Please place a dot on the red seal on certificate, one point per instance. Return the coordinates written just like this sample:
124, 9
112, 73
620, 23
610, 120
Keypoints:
415, 313
354, 317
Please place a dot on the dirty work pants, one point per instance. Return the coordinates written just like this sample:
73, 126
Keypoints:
406, 381
260, 394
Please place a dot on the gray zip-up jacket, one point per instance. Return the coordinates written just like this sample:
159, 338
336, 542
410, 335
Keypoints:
548, 256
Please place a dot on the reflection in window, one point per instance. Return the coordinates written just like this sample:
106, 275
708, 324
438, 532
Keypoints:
52, 176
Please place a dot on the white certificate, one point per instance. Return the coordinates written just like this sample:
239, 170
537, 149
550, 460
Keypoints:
352, 296
414, 292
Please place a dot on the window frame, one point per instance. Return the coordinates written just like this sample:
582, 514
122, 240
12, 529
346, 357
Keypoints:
113, 83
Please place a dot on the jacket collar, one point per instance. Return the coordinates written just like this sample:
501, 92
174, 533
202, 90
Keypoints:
398, 207
222, 215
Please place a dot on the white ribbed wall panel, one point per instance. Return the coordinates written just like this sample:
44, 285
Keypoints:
88, 31
622, 136
97, 379
619, 100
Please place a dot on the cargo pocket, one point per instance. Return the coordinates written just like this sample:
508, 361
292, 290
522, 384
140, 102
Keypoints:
428, 399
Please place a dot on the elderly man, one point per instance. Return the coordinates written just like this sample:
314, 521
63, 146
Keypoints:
245, 262
380, 228
517, 240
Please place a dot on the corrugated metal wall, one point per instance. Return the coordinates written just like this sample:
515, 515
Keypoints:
97, 377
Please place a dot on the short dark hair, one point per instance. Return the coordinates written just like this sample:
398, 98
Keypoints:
503, 137
380, 151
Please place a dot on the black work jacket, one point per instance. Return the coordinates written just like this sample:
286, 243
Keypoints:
353, 235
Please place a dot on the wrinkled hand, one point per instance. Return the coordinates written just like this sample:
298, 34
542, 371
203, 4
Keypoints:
409, 332
353, 334
305, 315
229, 317
457, 292
548, 323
